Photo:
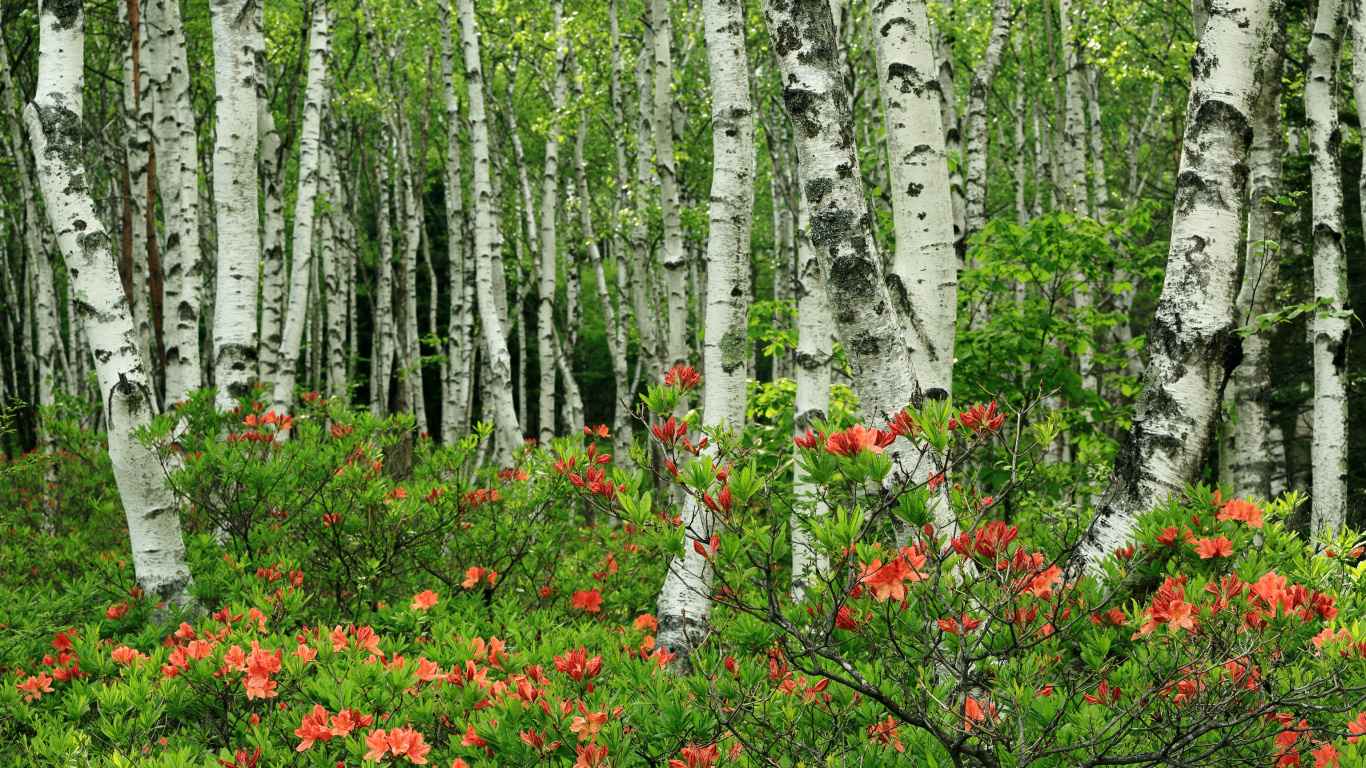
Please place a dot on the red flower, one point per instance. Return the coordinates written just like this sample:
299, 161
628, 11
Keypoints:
1104, 694
982, 419
470, 739
577, 665
1207, 548
313, 728
588, 600
1357, 727
1169, 536
1325, 756
695, 756
683, 377
809, 440
856, 438
242, 760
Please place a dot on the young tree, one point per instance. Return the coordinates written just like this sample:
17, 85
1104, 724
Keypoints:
301, 272
497, 363
673, 255
456, 382
550, 187
56, 130
237, 37
1329, 448
1191, 339
923, 277
975, 210
686, 595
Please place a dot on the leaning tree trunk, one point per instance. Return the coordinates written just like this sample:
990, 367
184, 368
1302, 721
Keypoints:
497, 363
673, 254
236, 39
685, 598
975, 211
924, 275
55, 127
1192, 343
550, 187
802, 34
301, 271
1329, 451
1251, 382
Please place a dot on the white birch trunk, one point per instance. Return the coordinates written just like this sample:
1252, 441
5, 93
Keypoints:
685, 598
497, 363
923, 278
301, 271
622, 432
1191, 340
953, 137
1074, 125
273, 161
1021, 153
673, 254
55, 128
1252, 459
654, 350
382, 341
237, 37
975, 211
454, 416
332, 263
550, 186
1100, 192
1329, 451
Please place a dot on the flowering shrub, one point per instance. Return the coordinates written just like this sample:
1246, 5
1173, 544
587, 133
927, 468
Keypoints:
450, 615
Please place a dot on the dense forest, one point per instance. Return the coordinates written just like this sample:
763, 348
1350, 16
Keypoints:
791, 382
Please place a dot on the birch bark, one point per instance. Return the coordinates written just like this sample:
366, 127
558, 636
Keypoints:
923, 279
685, 597
1193, 347
550, 185
1073, 126
301, 271
673, 255
454, 416
975, 211
1329, 449
498, 364
274, 158
1251, 382
237, 37
54, 120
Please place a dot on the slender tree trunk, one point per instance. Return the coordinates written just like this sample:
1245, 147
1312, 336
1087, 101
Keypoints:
454, 416
1074, 125
550, 186
1192, 344
1330, 269
54, 119
382, 344
1021, 142
802, 35
137, 149
497, 364
274, 158
975, 212
685, 597
923, 279
623, 433
315, 98
237, 37
1251, 383
1100, 191
673, 255
654, 351
953, 137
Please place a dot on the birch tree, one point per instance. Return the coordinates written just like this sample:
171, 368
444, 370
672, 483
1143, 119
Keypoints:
459, 346
497, 363
1191, 340
673, 255
54, 120
550, 186
923, 279
1329, 448
975, 204
319, 47
685, 597
236, 39
1251, 382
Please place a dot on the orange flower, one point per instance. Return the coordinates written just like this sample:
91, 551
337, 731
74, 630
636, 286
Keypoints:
1207, 548
592, 755
305, 653
855, 439
35, 687
472, 577
588, 600
1041, 586
695, 757
378, 744
1326, 756
313, 728
588, 726
1357, 727
888, 581
647, 623
1242, 511
424, 600
405, 742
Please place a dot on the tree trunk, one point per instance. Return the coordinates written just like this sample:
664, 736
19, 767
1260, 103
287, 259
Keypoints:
1074, 125
841, 228
623, 432
975, 212
237, 37
274, 159
1192, 344
673, 254
685, 597
301, 271
550, 186
55, 128
454, 416
497, 364
1100, 192
1251, 383
953, 137
923, 279
654, 351
1330, 270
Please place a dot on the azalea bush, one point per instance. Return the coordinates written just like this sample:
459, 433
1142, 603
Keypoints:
369, 598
